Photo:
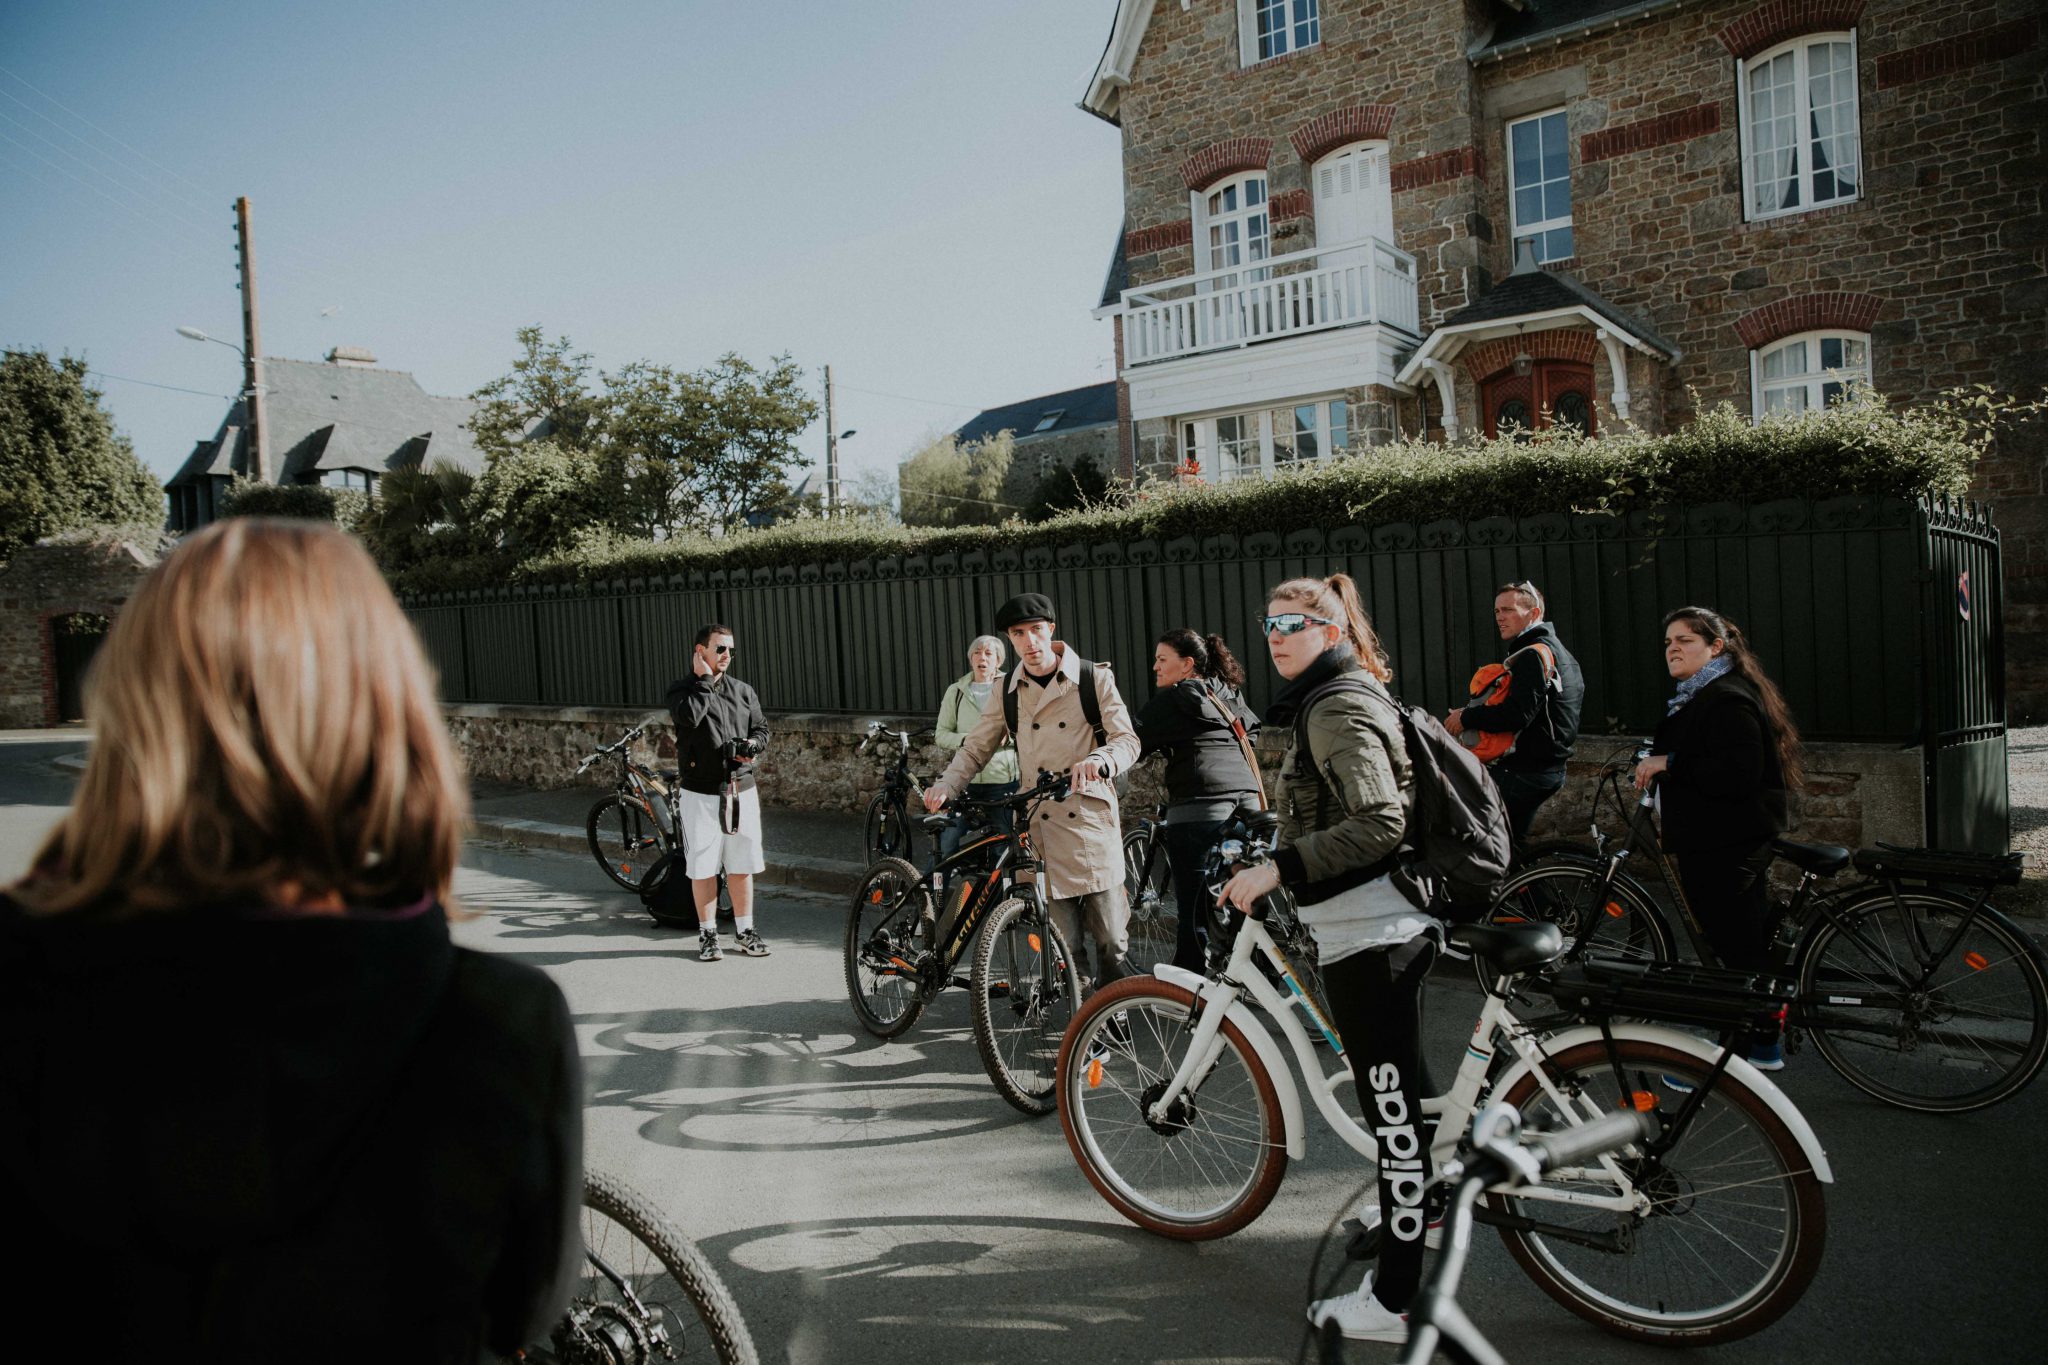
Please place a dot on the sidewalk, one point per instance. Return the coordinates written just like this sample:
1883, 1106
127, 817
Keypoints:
819, 850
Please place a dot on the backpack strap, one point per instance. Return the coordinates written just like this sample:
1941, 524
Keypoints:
1545, 654
1308, 704
1010, 703
1091, 705
1244, 741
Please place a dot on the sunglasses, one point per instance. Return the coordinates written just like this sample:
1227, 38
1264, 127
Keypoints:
722, 649
1290, 623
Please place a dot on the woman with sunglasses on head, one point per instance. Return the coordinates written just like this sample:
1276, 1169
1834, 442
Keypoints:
1725, 759
1346, 787
1195, 716
257, 1106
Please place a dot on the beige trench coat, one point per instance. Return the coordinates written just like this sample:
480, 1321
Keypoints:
1080, 838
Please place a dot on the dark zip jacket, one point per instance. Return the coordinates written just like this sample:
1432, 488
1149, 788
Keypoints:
1545, 723
1725, 787
708, 713
1203, 757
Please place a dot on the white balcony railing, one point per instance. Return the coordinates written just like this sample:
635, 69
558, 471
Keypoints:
1282, 296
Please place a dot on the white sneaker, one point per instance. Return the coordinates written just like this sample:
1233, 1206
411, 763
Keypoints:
1369, 1219
1358, 1316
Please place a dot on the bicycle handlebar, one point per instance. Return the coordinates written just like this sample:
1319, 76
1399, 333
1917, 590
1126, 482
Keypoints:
1576, 1146
613, 748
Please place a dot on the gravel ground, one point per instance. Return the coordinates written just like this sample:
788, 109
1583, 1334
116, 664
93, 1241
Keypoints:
2027, 771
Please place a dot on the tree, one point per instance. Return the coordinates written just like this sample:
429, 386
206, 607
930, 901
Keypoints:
547, 394
1065, 488
949, 484
62, 464
746, 423
420, 513
538, 498
872, 492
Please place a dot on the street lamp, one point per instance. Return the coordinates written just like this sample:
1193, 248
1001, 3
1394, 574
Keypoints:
194, 334
252, 395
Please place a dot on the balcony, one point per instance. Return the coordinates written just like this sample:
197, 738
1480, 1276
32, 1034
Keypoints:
1346, 285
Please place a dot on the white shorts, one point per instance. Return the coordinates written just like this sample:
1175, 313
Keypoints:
707, 847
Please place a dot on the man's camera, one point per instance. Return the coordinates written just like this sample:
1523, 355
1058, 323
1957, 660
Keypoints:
738, 751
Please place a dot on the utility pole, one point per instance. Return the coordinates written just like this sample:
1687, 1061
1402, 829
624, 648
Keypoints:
831, 448
252, 352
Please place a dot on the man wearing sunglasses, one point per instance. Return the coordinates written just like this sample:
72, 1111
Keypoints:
720, 731
1541, 709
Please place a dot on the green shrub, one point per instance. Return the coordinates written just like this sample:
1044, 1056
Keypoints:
307, 501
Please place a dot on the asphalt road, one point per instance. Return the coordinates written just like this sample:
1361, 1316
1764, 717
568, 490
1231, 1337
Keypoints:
872, 1201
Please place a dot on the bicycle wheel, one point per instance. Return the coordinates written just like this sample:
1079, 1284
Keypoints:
624, 839
1024, 989
1214, 1160
884, 947
1155, 917
646, 1292
888, 828
1729, 1224
1915, 1020
1569, 895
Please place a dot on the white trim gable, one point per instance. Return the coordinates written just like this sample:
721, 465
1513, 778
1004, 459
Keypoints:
1119, 57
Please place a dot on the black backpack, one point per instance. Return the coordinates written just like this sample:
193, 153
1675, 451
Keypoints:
1458, 830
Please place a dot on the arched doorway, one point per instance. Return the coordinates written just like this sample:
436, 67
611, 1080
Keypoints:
1553, 393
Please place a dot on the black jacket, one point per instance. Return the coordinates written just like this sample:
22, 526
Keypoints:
1724, 787
708, 713
228, 1136
1545, 723
1203, 758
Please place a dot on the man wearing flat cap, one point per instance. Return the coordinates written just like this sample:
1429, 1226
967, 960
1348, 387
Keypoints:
1079, 837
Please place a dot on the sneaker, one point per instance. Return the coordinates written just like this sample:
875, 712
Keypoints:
1369, 1224
707, 946
1358, 1316
1679, 1084
751, 945
1768, 1056
1116, 1034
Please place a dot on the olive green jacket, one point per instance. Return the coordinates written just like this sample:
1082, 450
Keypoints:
1344, 804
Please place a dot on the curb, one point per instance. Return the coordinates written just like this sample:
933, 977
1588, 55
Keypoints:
833, 875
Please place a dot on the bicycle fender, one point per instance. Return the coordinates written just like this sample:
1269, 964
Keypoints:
1270, 1056
1706, 1050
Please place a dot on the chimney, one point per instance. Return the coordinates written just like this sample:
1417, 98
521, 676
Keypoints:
354, 356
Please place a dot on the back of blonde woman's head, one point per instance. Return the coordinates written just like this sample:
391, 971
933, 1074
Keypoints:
264, 724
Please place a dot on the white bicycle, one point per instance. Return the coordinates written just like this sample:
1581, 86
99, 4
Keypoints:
1180, 1105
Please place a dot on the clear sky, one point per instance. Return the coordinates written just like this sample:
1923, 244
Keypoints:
905, 189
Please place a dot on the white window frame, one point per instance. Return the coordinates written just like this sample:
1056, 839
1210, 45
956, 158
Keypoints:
1048, 420
1802, 87
1198, 436
1814, 379
1517, 229
1298, 13
1245, 213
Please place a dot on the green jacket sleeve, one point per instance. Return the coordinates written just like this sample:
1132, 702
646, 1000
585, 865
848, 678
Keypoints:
948, 732
1353, 761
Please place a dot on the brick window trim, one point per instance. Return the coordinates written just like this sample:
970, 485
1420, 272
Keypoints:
1575, 344
1663, 130
1232, 156
1289, 204
1324, 134
1786, 317
1144, 241
1438, 167
1802, 218
1770, 24
1957, 54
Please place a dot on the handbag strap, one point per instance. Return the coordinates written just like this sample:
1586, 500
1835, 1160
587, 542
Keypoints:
1244, 742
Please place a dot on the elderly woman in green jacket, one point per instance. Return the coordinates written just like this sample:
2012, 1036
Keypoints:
962, 707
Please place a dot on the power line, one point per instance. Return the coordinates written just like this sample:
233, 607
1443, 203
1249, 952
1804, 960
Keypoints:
904, 397
151, 384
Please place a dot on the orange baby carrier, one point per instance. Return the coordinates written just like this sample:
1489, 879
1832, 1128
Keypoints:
1489, 687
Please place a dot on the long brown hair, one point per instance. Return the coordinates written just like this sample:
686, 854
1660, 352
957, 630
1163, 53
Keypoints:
1211, 657
1743, 662
1336, 599
264, 725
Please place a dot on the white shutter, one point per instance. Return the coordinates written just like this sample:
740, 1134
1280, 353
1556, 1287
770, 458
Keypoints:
1353, 200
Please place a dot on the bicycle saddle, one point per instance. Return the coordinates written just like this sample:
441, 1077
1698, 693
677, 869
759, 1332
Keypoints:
1510, 947
935, 823
1822, 860
1261, 823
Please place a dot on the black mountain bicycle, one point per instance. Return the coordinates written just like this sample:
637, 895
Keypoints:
1920, 995
907, 932
631, 828
888, 829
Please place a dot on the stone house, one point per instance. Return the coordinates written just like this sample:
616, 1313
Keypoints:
1051, 432
57, 598
1346, 220
343, 423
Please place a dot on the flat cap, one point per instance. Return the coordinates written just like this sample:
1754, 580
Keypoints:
1025, 606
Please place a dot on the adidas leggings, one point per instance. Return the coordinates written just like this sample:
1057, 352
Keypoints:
1376, 1004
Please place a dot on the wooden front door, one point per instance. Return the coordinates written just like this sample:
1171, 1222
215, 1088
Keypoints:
1558, 392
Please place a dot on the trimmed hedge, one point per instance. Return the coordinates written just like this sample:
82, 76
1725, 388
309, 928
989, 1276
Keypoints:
1860, 447
306, 501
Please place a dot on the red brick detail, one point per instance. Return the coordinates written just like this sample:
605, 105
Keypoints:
1289, 204
1436, 168
1557, 343
1126, 444
1360, 123
1661, 131
1807, 313
1956, 54
46, 642
1144, 241
1229, 157
1770, 24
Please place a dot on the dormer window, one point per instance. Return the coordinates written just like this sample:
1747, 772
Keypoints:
1049, 420
1273, 28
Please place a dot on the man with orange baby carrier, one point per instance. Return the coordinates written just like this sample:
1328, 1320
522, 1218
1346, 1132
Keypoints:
1523, 716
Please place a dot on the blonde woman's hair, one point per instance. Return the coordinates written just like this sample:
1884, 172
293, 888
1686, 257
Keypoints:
993, 642
1336, 599
264, 725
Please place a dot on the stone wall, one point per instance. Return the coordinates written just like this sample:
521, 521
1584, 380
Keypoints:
1036, 456
45, 582
1858, 793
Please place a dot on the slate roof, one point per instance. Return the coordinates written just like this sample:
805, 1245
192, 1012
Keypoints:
1084, 407
1540, 291
1539, 21
326, 416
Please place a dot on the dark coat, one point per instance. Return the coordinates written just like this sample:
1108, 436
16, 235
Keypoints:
1724, 788
1545, 722
708, 713
1203, 757
230, 1136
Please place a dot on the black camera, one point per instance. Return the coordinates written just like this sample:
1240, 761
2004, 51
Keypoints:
738, 751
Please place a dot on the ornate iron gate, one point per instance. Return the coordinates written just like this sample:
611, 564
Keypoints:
1962, 692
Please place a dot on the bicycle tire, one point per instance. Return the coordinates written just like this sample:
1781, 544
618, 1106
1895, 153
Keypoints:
1766, 1224
1155, 916
1152, 1175
1564, 894
1983, 1017
881, 940
627, 844
887, 830
1017, 1029
617, 1224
